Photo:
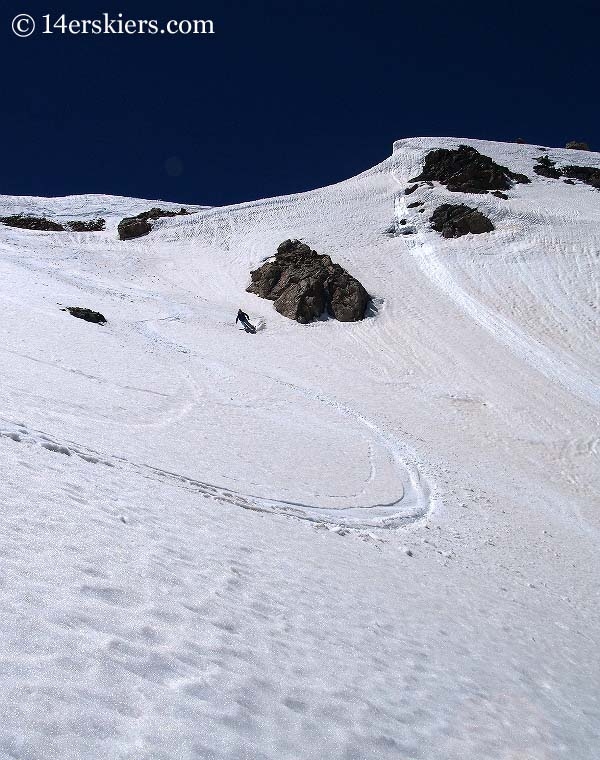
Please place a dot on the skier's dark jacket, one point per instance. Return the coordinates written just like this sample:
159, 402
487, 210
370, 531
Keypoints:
242, 316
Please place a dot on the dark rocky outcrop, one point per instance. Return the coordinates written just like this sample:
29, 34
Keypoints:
93, 225
588, 174
136, 226
576, 145
304, 285
466, 170
457, 220
39, 223
416, 204
87, 314
133, 227
545, 167
498, 194
411, 189
42, 224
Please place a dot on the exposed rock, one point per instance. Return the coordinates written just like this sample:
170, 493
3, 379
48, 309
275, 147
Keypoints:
411, 189
93, 225
304, 285
545, 167
466, 170
569, 181
588, 174
575, 145
47, 225
498, 194
39, 223
139, 225
87, 314
457, 220
133, 227
158, 213
416, 204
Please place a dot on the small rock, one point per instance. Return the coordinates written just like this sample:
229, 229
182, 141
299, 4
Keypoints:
87, 314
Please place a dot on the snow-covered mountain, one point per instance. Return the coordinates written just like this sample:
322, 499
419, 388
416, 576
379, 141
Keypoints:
340, 540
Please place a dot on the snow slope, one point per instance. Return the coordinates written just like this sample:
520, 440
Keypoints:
370, 540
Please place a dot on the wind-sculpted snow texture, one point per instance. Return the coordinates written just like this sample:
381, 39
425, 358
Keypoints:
347, 540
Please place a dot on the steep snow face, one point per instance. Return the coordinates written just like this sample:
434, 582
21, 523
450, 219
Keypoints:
375, 539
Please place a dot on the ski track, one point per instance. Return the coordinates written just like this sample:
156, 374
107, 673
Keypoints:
411, 504
555, 366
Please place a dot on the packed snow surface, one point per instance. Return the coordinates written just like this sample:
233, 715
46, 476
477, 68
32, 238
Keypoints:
346, 541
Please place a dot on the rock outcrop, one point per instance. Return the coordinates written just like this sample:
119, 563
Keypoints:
576, 145
39, 223
545, 167
588, 174
42, 224
304, 285
456, 220
466, 170
82, 313
136, 226
93, 225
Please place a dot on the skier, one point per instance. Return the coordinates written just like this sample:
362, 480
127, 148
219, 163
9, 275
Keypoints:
245, 321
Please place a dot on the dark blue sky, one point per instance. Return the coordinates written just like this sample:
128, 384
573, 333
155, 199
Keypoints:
287, 95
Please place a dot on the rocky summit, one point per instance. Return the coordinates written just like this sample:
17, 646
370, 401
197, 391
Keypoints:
466, 170
305, 285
